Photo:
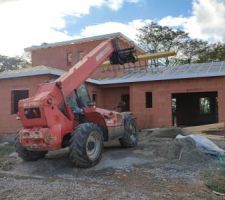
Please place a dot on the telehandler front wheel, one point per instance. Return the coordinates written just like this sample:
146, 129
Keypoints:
130, 136
86, 145
28, 155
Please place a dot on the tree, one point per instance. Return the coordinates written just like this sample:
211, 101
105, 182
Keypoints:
215, 52
191, 51
12, 63
155, 38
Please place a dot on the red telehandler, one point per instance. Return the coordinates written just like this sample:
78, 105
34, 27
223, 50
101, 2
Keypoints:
61, 114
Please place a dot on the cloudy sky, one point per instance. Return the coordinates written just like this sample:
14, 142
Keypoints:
31, 22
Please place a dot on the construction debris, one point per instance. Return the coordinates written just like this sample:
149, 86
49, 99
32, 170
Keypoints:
206, 128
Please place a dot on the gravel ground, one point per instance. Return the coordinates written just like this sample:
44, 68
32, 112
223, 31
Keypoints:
150, 171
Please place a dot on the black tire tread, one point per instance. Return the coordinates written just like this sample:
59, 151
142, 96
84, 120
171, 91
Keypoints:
78, 140
125, 141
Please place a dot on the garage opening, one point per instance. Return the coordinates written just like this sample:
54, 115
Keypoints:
192, 109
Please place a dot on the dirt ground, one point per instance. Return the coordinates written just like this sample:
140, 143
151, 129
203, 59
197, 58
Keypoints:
158, 168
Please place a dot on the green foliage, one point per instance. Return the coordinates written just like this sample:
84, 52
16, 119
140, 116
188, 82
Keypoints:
191, 50
155, 38
12, 63
215, 52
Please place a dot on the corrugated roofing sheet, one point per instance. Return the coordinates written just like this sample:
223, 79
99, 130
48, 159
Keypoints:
32, 71
168, 73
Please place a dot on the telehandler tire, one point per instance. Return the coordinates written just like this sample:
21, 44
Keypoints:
28, 155
130, 137
86, 145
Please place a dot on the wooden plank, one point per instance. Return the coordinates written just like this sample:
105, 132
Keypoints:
206, 128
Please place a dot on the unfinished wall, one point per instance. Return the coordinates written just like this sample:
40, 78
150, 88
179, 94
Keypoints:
112, 96
107, 98
161, 112
57, 57
160, 115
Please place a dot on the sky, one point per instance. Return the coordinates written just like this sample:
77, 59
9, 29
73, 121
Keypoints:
24, 23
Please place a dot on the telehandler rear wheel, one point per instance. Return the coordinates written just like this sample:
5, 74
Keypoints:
86, 145
130, 137
28, 155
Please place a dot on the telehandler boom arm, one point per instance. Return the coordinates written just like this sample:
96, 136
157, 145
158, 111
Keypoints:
84, 68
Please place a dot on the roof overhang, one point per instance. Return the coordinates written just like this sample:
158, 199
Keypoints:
32, 71
85, 40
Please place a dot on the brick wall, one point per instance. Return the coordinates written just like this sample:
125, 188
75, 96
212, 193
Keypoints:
107, 98
160, 115
57, 57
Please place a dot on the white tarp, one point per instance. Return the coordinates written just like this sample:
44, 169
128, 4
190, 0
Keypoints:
203, 144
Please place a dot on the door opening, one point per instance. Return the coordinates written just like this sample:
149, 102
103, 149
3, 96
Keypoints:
192, 109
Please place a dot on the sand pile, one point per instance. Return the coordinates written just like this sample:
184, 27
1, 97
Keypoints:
187, 152
163, 144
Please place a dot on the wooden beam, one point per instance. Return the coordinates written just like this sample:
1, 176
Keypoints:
148, 56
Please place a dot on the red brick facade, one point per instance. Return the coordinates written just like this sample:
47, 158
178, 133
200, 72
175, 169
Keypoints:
160, 115
56, 57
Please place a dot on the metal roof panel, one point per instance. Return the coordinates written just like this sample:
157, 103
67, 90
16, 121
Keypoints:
213, 69
32, 71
